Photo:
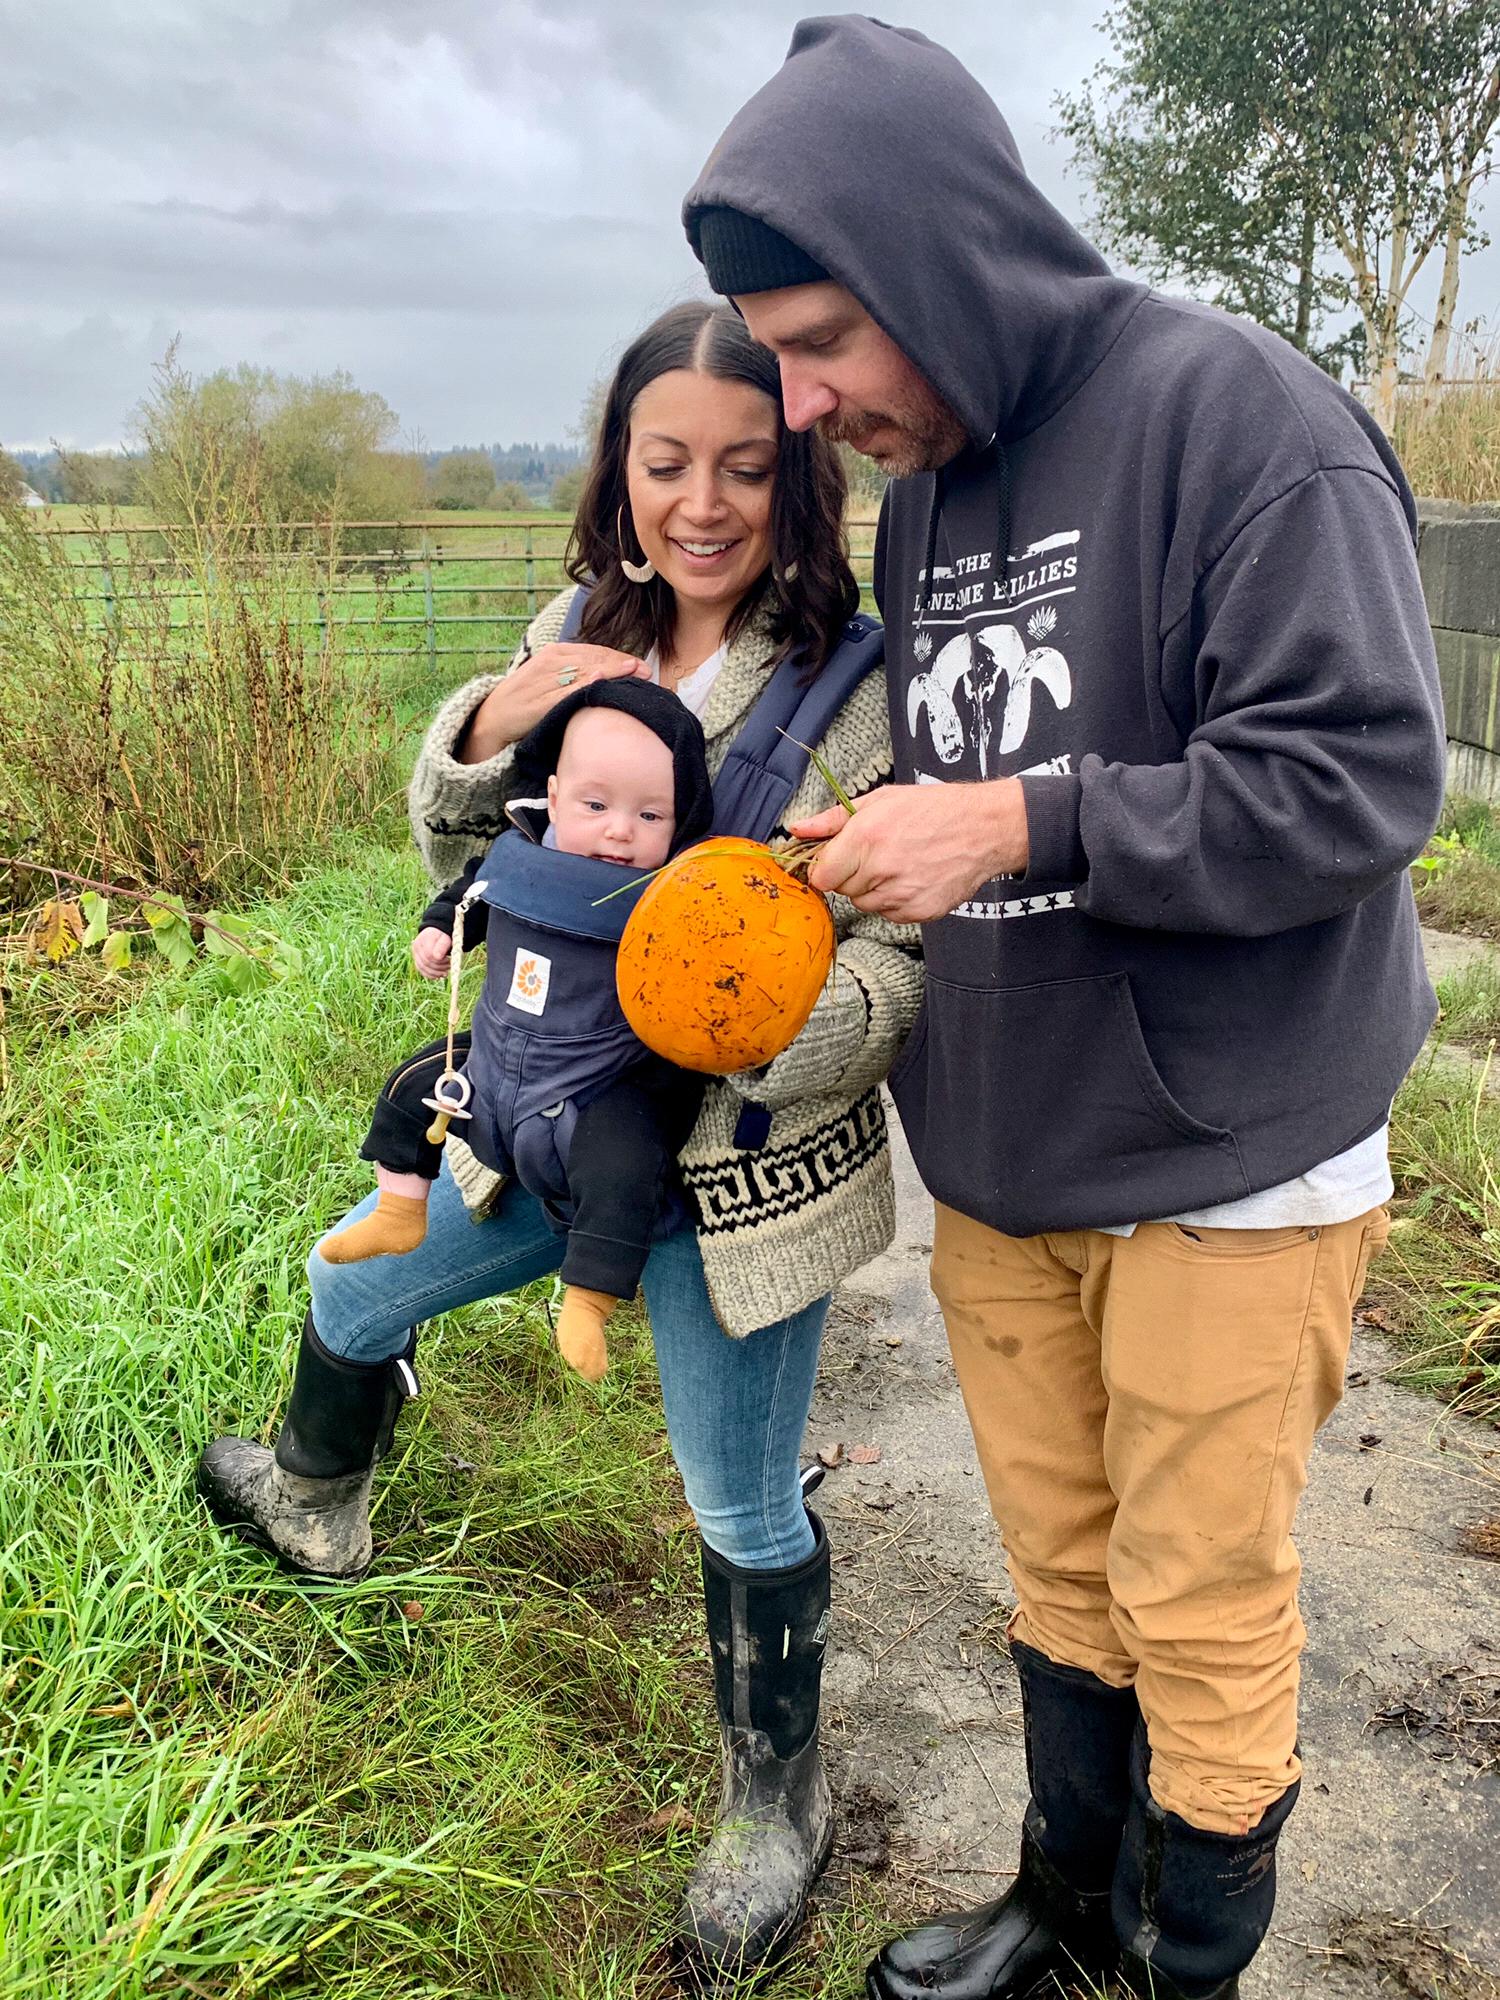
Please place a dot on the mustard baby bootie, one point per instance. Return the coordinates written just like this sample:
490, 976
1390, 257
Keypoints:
396, 1224
581, 1320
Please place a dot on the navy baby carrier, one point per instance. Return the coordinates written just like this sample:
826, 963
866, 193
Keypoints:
549, 1034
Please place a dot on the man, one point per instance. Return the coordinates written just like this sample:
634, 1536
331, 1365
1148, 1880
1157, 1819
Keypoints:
1168, 734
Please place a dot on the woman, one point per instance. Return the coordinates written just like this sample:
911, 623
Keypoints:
711, 541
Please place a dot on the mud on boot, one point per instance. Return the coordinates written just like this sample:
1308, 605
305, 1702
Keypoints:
773, 1829
307, 1499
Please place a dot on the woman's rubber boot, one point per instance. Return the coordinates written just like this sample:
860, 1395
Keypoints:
1190, 1907
774, 1827
1052, 1926
307, 1500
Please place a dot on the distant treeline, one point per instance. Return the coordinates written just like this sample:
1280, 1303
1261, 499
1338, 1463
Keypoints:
514, 475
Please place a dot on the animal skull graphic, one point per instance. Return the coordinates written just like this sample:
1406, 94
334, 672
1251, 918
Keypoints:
975, 667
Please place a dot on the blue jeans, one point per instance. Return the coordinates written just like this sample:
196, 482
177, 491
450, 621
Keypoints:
736, 1409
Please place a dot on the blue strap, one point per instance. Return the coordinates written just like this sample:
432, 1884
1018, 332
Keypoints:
766, 761
572, 625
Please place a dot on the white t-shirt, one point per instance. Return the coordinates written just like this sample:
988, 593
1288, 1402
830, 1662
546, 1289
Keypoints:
1351, 1183
692, 690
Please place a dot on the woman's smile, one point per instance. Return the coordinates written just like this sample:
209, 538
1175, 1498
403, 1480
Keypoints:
703, 555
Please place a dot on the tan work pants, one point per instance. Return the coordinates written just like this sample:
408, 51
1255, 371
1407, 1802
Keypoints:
1144, 1408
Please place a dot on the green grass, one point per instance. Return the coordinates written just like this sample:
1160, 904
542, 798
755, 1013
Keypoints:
1457, 881
221, 1780
1440, 1278
1470, 1000
485, 1769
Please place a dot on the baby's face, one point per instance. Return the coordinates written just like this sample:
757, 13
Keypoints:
612, 795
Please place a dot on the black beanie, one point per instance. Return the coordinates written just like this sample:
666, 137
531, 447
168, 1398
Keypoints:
743, 254
663, 714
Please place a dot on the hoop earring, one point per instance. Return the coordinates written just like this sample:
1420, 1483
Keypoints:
641, 572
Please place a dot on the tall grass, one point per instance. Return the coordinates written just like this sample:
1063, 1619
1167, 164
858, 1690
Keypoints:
1450, 444
1444, 1259
221, 1780
189, 730
1457, 881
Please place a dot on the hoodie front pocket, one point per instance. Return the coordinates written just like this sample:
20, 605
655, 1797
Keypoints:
1039, 1107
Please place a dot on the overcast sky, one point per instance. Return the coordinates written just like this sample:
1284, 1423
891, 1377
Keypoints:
467, 204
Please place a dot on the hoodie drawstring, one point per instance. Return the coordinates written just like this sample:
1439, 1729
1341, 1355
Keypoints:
939, 487
1004, 544
939, 480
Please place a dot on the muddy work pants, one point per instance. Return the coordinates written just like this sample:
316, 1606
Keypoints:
1144, 1408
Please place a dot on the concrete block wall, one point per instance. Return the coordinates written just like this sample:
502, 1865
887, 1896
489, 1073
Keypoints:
1459, 556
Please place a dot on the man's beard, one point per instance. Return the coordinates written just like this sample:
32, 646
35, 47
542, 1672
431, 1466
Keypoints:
922, 433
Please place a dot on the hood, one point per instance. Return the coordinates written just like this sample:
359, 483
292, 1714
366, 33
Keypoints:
536, 754
876, 152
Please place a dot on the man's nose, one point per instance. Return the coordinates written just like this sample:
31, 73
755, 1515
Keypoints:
804, 399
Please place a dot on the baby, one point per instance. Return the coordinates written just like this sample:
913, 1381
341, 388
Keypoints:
565, 1098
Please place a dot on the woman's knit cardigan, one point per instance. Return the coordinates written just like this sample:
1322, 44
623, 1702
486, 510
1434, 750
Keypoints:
783, 1223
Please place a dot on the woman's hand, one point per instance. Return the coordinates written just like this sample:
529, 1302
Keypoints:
431, 950
530, 689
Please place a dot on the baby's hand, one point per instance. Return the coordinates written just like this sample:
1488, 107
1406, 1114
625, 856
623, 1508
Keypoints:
431, 950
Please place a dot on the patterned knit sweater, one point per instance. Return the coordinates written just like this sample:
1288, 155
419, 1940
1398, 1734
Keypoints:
783, 1223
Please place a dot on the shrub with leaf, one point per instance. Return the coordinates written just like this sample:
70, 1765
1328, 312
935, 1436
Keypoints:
179, 716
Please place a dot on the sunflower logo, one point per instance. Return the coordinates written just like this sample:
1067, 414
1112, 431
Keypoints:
528, 979
921, 647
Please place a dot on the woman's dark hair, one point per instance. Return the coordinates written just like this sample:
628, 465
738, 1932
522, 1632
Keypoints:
809, 588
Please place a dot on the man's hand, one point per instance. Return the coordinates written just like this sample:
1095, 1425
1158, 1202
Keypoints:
431, 950
912, 853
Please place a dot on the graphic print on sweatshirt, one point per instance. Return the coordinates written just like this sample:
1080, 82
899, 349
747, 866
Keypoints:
992, 681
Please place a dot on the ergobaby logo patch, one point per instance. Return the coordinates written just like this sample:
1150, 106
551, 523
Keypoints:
529, 982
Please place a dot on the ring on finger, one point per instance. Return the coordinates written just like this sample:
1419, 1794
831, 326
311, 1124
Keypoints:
567, 677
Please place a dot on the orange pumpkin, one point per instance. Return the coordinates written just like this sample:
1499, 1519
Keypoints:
723, 957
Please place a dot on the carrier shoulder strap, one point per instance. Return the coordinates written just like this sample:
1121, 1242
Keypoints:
767, 761
572, 624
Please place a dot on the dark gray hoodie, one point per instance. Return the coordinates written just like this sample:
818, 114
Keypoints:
1171, 585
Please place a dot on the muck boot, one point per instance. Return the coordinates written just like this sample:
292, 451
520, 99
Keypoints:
307, 1501
1191, 1908
774, 1827
1052, 1926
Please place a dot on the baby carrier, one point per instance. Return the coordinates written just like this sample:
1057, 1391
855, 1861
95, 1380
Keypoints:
548, 1031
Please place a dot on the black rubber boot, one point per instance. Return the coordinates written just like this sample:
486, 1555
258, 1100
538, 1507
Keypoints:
307, 1500
1190, 1908
1052, 1925
774, 1827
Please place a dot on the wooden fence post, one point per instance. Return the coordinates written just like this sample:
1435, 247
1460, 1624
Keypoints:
530, 577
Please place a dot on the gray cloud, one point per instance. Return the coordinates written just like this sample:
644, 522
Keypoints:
469, 205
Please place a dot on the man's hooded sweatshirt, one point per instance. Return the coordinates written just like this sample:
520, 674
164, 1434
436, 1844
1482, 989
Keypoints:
1171, 585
